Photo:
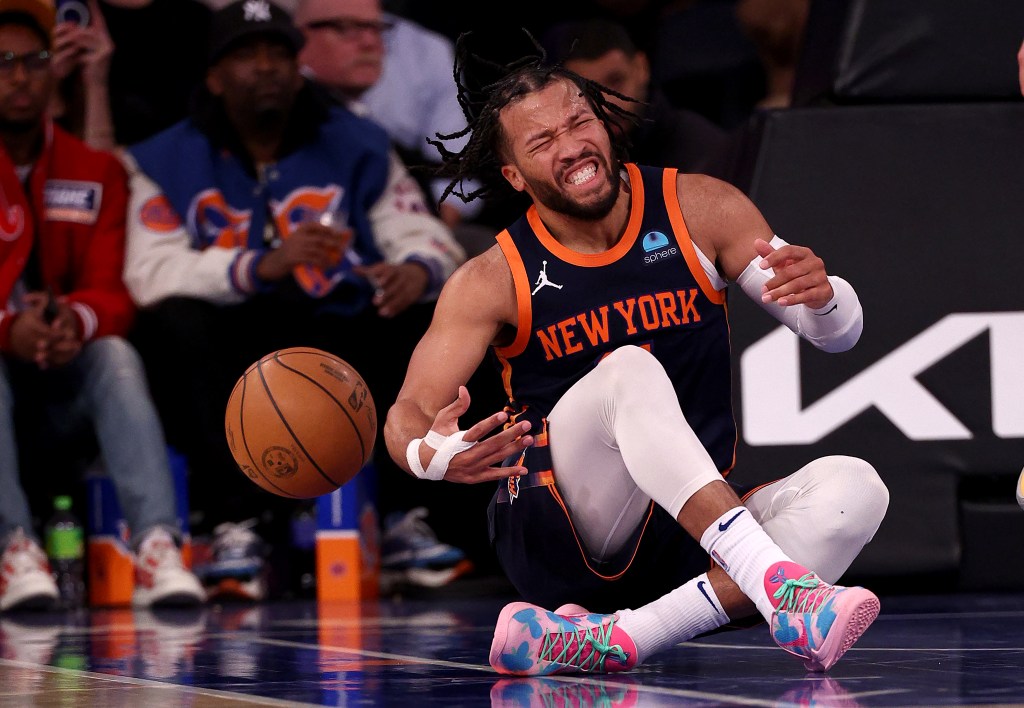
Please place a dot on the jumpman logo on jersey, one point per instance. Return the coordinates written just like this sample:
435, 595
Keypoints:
542, 279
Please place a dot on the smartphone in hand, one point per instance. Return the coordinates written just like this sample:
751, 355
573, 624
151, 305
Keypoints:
76, 11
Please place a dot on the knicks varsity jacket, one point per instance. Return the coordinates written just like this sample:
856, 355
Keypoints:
201, 215
74, 206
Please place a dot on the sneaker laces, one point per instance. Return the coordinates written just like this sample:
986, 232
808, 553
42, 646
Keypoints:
557, 646
804, 594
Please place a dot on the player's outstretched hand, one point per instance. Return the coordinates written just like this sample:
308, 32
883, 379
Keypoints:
800, 277
480, 463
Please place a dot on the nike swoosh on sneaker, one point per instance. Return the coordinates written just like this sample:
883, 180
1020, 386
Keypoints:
725, 526
700, 586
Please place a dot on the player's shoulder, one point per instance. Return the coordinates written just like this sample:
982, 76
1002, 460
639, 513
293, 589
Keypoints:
486, 267
708, 191
707, 201
484, 280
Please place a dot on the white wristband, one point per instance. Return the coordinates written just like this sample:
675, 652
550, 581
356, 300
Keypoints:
447, 447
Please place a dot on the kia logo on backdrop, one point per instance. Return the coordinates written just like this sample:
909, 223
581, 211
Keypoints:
773, 412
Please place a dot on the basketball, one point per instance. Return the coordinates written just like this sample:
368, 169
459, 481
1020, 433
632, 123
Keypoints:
300, 422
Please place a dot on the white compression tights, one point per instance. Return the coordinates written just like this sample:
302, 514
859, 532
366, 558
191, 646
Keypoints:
619, 439
823, 514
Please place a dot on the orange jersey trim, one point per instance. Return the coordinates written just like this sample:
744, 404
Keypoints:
579, 544
689, 250
593, 260
682, 234
524, 311
736, 438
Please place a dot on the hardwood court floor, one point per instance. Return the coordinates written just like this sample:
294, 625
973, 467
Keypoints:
949, 650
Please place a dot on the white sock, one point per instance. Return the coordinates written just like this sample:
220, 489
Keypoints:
682, 614
738, 543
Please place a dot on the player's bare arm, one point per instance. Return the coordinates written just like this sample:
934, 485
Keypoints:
779, 276
476, 306
731, 230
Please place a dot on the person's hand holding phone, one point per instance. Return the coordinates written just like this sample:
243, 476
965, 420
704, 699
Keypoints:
76, 12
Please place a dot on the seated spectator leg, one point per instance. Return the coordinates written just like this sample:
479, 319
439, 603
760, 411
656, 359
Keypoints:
14, 509
114, 392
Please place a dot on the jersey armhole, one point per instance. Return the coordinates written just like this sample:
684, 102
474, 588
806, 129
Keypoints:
682, 235
522, 287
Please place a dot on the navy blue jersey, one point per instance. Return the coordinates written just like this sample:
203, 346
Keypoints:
648, 290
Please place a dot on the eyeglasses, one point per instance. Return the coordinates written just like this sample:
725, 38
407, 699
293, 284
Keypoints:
351, 29
34, 62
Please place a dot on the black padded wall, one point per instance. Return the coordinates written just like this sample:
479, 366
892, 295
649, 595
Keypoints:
922, 209
906, 51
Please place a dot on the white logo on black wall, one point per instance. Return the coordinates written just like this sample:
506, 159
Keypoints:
773, 413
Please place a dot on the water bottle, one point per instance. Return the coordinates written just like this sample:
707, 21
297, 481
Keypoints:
65, 547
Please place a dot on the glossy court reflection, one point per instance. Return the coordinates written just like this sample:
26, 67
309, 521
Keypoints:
935, 651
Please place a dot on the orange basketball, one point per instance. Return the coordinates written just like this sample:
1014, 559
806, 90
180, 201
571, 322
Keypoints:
300, 422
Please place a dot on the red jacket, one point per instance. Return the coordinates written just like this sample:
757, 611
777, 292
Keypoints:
76, 207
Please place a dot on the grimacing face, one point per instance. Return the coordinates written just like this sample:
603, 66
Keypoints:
560, 152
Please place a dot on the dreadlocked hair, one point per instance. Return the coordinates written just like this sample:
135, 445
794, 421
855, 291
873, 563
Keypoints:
482, 156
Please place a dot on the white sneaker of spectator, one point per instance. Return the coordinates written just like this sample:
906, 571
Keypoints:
160, 575
26, 581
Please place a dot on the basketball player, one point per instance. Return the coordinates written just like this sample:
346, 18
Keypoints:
605, 305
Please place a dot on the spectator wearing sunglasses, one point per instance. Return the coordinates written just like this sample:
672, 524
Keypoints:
70, 383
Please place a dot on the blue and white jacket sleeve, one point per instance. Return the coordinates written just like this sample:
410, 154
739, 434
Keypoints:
405, 229
160, 261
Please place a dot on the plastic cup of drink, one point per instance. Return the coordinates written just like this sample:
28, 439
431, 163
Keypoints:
336, 221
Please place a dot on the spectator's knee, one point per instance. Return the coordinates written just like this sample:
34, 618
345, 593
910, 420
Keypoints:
114, 356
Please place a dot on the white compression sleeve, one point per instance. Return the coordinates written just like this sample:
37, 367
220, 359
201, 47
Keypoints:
842, 497
835, 327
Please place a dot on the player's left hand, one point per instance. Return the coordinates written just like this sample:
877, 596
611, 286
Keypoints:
800, 277
397, 286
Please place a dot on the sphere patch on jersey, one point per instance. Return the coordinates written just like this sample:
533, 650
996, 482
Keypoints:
653, 240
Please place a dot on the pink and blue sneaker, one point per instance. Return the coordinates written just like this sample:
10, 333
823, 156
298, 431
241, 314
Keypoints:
531, 641
814, 620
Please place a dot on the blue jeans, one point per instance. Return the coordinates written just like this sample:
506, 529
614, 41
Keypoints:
104, 388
